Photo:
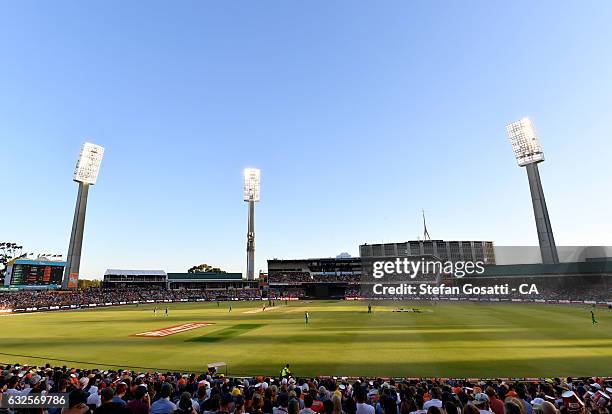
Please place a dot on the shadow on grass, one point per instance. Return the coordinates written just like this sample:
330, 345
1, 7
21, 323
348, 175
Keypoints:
577, 365
227, 333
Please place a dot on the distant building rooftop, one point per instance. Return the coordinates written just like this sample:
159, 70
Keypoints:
130, 272
211, 276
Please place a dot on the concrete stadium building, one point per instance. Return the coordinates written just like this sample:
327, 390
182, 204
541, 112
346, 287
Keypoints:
123, 278
453, 251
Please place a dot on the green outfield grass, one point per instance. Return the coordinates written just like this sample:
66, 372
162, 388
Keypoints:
448, 339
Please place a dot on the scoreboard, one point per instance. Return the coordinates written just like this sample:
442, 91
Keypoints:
34, 273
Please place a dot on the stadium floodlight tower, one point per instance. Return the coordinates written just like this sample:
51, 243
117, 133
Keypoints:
528, 153
251, 195
86, 174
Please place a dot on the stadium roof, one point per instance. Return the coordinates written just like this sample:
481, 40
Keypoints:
318, 259
211, 276
127, 272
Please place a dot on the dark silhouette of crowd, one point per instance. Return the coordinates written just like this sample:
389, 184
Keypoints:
49, 299
296, 278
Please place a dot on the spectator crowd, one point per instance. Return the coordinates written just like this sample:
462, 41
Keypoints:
130, 392
298, 278
42, 299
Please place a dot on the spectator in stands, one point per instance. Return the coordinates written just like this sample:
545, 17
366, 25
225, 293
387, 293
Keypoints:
522, 394
13, 387
362, 406
120, 393
513, 405
283, 404
163, 405
193, 393
257, 405
308, 400
107, 405
496, 405
140, 404
545, 407
226, 405
470, 409
77, 400
294, 406
185, 405
435, 399
481, 401
450, 408
337, 405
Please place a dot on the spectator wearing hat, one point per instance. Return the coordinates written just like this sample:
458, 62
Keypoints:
481, 401
323, 393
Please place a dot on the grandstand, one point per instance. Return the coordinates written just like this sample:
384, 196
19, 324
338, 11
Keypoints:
333, 278
313, 278
123, 278
117, 278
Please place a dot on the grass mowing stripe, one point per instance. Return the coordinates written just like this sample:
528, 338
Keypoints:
227, 333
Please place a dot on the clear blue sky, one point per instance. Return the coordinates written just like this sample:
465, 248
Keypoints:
359, 114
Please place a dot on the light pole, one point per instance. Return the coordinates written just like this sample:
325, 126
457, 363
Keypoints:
252, 182
528, 153
86, 174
